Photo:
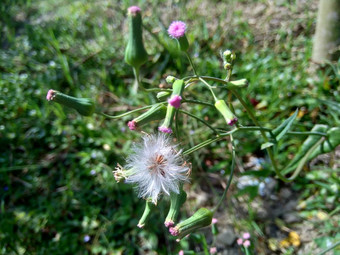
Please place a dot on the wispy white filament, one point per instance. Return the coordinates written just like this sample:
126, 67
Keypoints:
156, 167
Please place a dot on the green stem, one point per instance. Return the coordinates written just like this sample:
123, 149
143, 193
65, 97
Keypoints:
191, 63
127, 113
230, 176
209, 141
199, 119
212, 92
197, 102
330, 248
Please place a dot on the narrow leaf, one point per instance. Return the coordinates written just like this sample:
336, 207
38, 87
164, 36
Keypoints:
281, 130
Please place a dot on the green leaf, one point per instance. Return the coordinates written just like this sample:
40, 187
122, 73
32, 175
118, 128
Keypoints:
266, 145
281, 130
327, 145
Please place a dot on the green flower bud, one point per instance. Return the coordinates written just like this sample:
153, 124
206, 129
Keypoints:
222, 107
84, 106
162, 95
229, 56
170, 79
135, 53
174, 103
176, 202
149, 206
156, 112
200, 219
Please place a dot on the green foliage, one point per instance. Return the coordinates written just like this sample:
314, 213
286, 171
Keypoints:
56, 182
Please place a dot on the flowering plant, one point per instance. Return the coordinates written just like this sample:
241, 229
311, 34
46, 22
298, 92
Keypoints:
158, 167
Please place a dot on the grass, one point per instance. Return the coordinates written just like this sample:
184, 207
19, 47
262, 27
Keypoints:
50, 196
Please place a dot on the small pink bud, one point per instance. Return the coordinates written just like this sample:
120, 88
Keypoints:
181, 252
213, 250
175, 101
50, 95
246, 235
165, 129
169, 223
214, 221
232, 121
132, 125
246, 243
239, 241
173, 231
140, 225
133, 10
177, 29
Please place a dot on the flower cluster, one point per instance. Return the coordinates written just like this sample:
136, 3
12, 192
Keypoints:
245, 240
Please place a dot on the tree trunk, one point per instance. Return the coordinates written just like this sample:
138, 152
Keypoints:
327, 36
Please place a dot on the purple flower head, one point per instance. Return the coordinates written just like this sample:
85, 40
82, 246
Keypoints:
232, 121
213, 250
181, 252
169, 224
165, 129
246, 243
174, 231
214, 221
177, 29
50, 95
239, 241
133, 10
132, 124
175, 101
246, 235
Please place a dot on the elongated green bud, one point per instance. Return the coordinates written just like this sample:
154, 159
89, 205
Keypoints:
162, 95
176, 202
149, 206
156, 112
84, 106
201, 218
135, 53
222, 107
174, 103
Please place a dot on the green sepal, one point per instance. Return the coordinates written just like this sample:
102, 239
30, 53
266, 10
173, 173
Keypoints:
84, 106
156, 112
135, 53
183, 43
176, 202
201, 218
149, 206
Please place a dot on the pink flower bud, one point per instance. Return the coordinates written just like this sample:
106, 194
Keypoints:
132, 125
133, 10
181, 252
246, 243
174, 231
50, 95
175, 101
213, 250
239, 241
165, 129
214, 221
246, 235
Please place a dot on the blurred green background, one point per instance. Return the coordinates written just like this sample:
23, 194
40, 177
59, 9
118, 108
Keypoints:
57, 191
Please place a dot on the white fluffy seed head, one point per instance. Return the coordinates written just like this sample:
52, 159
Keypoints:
156, 167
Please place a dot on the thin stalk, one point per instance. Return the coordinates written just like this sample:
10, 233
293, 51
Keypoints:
211, 90
191, 63
176, 124
209, 141
125, 114
231, 174
199, 119
197, 102
330, 248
